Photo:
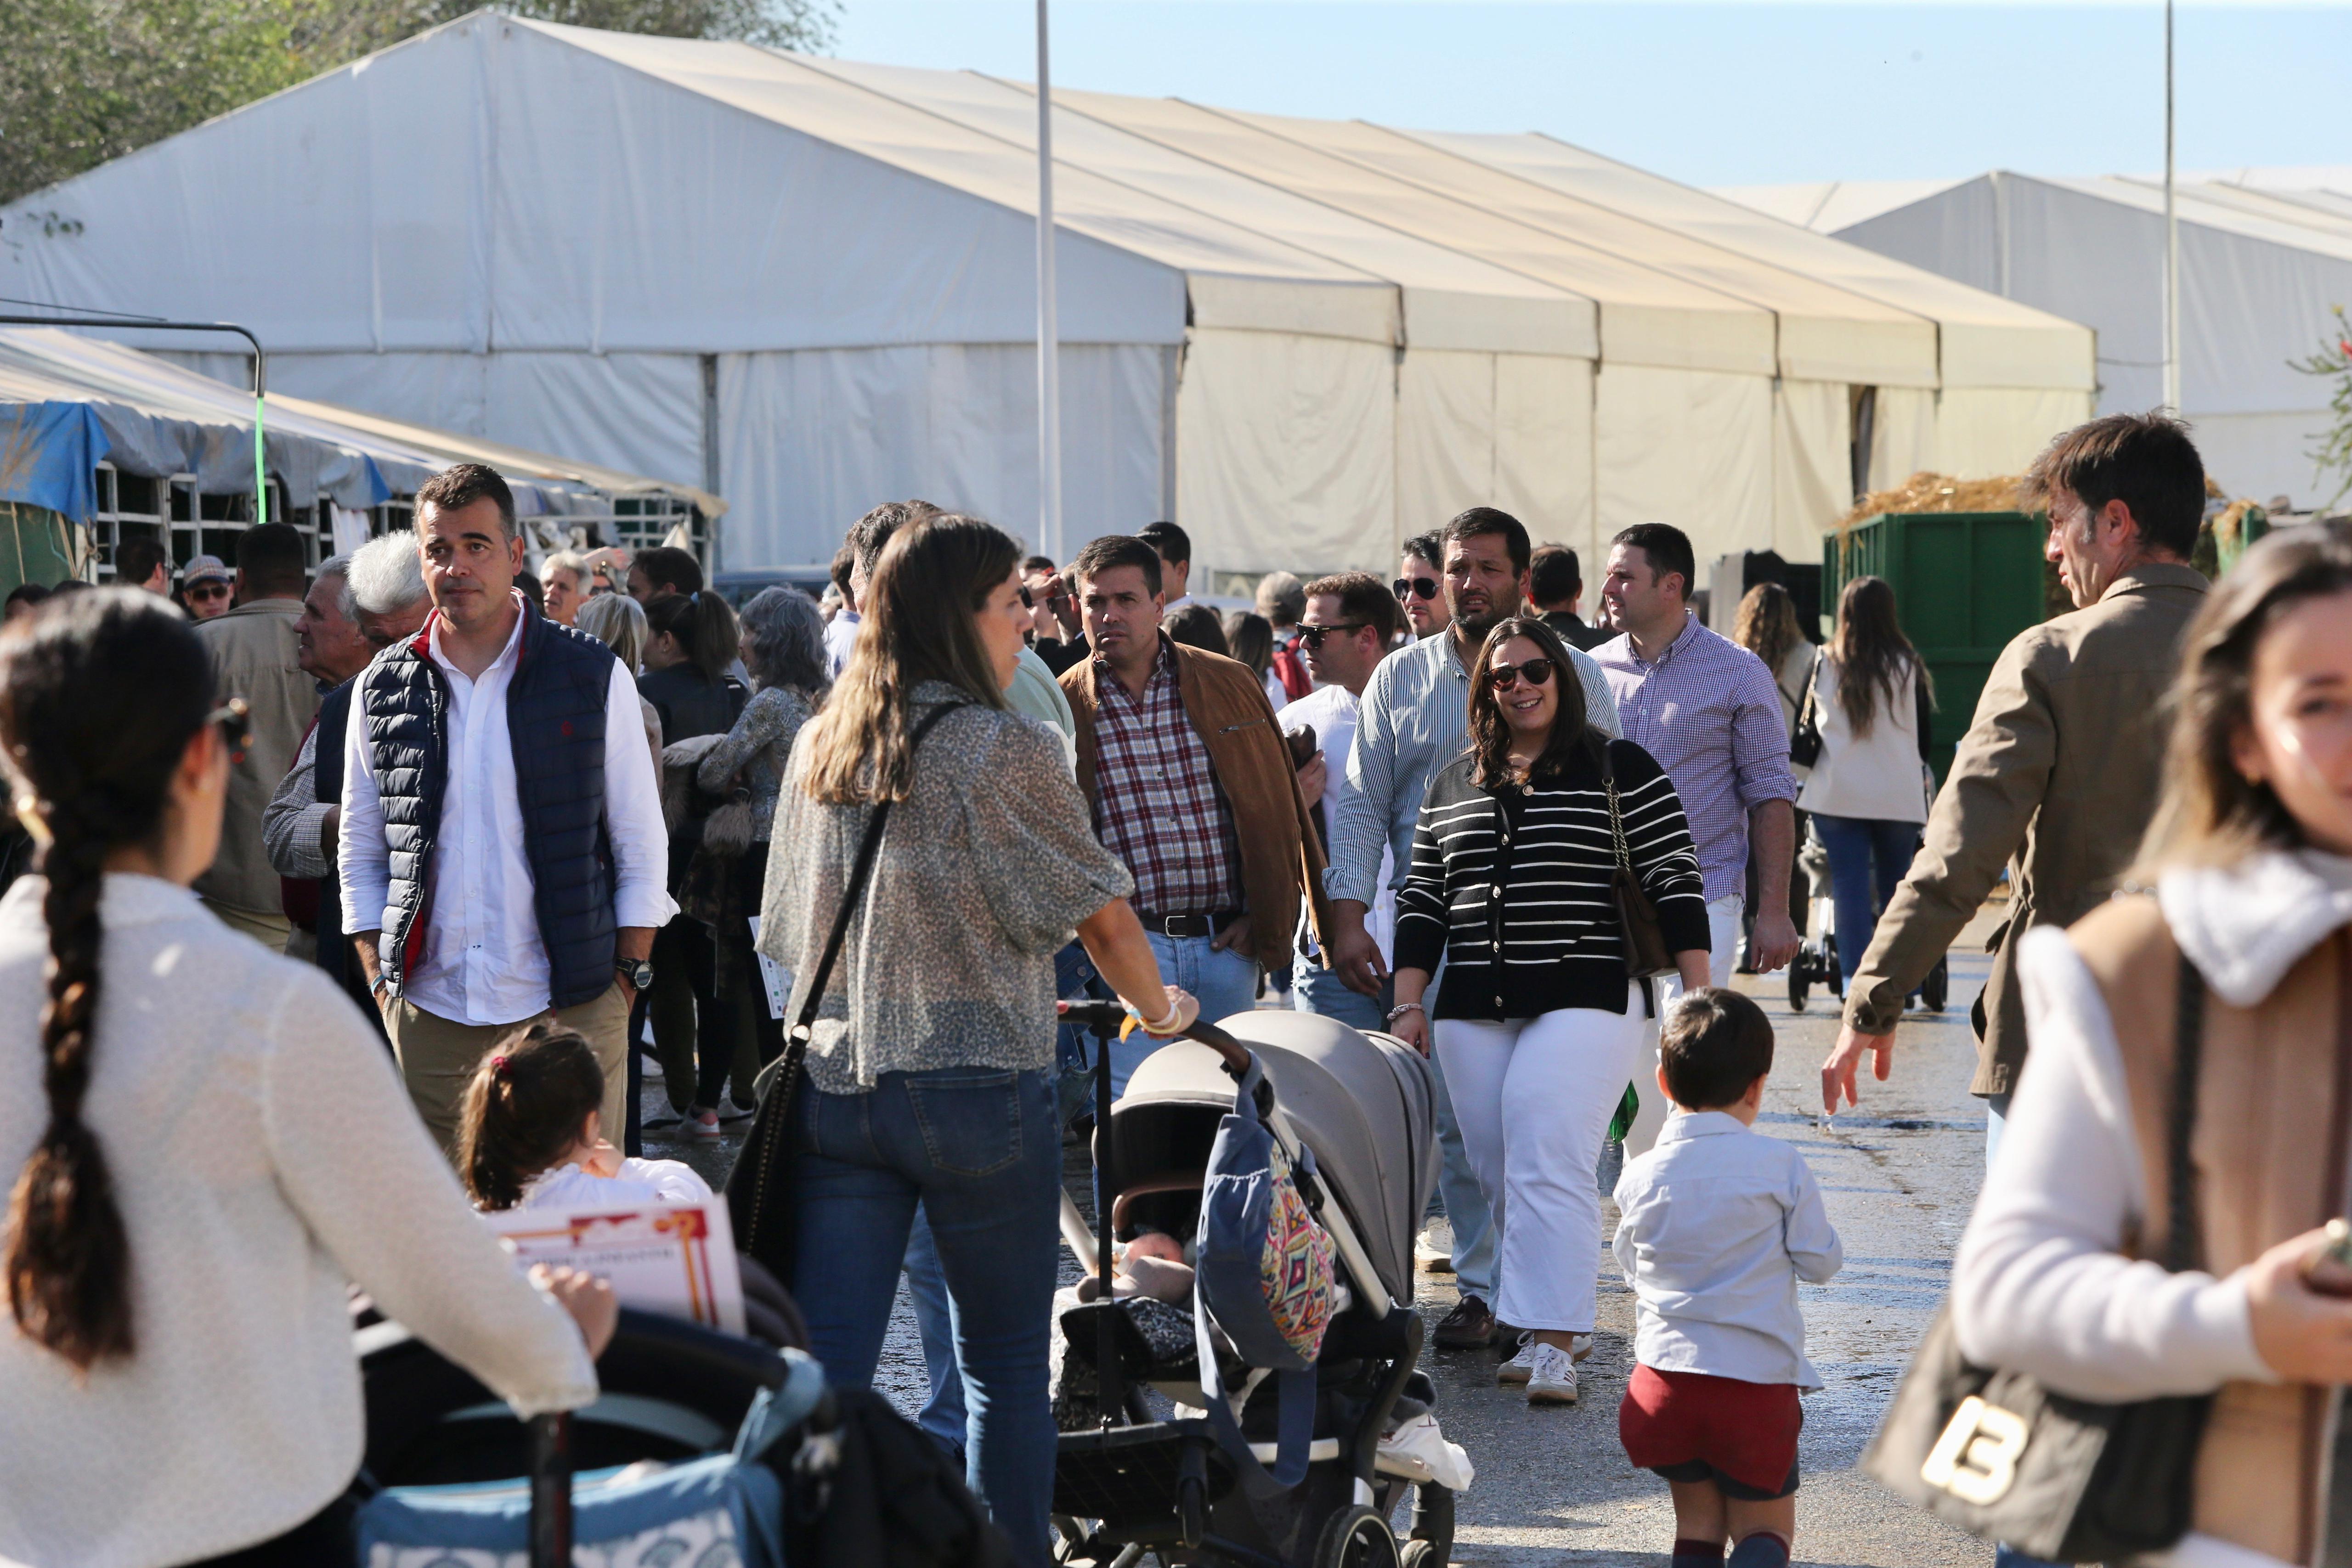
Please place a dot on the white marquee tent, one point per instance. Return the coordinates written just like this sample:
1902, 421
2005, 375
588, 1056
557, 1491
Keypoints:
2264, 254
808, 284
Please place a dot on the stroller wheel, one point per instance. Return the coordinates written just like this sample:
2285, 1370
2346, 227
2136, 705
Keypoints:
1432, 1545
1832, 972
1937, 988
1800, 979
1356, 1538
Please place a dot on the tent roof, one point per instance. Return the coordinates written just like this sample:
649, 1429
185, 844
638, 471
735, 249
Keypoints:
159, 419
1345, 229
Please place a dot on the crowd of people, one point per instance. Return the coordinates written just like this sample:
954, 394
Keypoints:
514, 827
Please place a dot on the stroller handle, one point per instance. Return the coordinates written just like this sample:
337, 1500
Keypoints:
1106, 1019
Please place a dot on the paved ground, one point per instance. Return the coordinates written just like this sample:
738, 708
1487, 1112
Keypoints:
1554, 1489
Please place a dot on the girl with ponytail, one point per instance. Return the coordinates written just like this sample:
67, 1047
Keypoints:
206, 1147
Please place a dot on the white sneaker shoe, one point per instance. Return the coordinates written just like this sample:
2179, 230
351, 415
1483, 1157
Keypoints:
1551, 1378
1520, 1367
1580, 1348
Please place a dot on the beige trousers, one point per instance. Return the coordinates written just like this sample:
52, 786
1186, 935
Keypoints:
437, 1058
271, 930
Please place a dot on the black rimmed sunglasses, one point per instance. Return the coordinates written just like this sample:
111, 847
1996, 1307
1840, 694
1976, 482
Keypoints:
1505, 677
1312, 636
1418, 586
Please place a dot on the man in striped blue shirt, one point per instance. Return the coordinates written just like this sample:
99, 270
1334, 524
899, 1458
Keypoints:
1707, 709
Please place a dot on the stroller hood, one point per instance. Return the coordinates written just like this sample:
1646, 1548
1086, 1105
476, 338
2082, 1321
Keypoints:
1364, 1103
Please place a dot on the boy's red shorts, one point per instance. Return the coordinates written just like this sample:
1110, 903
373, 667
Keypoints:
1690, 1427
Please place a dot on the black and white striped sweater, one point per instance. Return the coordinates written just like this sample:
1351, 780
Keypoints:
1553, 940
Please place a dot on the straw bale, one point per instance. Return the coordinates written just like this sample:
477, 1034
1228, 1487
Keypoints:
1928, 492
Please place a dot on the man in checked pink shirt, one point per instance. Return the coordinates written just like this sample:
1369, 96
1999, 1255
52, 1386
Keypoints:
1192, 786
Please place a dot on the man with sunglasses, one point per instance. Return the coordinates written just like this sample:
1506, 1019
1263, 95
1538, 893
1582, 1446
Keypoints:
1420, 586
208, 587
1414, 719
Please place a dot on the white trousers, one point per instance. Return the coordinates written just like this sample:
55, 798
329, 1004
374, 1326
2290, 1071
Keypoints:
1723, 931
1534, 1097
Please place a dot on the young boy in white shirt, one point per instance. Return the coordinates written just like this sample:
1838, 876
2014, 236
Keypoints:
1717, 1223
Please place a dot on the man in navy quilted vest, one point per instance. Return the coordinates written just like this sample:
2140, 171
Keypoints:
502, 854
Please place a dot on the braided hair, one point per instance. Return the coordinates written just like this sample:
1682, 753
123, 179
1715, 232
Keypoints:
99, 696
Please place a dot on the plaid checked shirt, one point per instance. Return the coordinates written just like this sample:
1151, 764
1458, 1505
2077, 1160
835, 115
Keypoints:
1156, 804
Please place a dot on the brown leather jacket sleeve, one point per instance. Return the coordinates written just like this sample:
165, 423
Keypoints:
2000, 774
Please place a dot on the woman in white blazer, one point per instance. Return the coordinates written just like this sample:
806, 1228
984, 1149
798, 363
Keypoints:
1867, 795
207, 1144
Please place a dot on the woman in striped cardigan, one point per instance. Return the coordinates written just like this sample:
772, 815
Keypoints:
1540, 1024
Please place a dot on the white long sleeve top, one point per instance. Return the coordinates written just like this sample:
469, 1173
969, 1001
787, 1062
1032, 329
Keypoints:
1717, 1225
483, 961
264, 1156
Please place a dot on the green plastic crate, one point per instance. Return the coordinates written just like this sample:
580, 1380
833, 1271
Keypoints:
1965, 583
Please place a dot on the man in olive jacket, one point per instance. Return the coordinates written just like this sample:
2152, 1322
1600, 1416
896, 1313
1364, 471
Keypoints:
1191, 785
2057, 777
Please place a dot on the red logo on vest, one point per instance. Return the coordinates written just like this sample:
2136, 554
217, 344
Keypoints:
567, 729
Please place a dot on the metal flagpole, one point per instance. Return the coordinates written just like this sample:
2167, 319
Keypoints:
1049, 336
2171, 238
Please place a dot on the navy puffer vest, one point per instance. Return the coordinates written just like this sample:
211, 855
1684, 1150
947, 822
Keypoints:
556, 708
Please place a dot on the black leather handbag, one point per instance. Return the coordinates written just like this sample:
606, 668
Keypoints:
2064, 1479
1805, 741
758, 1191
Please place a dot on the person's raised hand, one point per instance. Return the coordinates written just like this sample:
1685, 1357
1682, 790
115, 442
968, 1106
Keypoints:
2300, 1334
588, 1298
1838, 1074
1353, 954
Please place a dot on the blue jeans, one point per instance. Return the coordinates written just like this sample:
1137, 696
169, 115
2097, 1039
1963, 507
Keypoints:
1225, 982
978, 1149
2010, 1557
1315, 989
1867, 860
926, 1288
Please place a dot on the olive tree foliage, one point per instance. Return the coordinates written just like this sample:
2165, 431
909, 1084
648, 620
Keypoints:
82, 81
2333, 360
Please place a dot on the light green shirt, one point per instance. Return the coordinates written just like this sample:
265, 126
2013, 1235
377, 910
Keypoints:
1035, 692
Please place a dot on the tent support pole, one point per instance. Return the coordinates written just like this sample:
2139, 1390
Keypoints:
1049, 336
2171, 240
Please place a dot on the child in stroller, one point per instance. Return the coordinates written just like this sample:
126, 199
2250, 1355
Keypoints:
1136, 1473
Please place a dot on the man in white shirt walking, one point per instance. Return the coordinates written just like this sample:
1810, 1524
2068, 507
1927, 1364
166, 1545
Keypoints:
502, 856
1350, 621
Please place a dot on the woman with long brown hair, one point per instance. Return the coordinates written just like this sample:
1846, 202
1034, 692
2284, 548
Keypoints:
1867, 795
1767, 626
209, 1143
2245, 937
929, 1069
1539, 1025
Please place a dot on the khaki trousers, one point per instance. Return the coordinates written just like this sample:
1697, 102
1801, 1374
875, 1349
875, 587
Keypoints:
437, 1058
271, 930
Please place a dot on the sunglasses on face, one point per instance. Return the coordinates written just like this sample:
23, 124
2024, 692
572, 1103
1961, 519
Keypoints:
209, 591
1415, 587
1536, 671
1312, 636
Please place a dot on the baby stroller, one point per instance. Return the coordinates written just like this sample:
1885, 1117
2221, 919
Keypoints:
1364, 1105
1816, 963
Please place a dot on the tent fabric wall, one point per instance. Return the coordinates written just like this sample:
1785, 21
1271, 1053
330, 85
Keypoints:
1285, 452
1693, 448
812, 439
1989, 432
1812, 463
1902, 436
1513, 430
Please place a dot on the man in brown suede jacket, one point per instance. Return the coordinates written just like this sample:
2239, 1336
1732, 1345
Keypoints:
2057, 777
1193, 787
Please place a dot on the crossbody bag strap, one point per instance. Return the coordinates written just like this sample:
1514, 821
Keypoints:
869, 849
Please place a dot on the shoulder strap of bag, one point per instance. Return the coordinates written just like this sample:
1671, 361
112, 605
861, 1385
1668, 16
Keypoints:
851, 892
2181, 1246
1616, 821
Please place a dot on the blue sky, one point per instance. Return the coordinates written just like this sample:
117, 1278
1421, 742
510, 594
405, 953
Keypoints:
1750, 92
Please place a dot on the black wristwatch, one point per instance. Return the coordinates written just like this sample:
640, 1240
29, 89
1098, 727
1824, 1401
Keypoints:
638, 972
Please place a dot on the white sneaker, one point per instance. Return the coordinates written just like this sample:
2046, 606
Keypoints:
1580, 1347
1520, 1367
1551, 1378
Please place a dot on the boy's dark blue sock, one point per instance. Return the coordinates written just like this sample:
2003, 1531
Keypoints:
1697, 1554
1762, 1550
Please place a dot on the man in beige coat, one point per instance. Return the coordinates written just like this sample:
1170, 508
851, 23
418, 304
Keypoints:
257, 656
2057, 776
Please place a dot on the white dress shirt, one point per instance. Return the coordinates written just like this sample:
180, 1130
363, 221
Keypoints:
1330, 711
483, 962
1717, 1225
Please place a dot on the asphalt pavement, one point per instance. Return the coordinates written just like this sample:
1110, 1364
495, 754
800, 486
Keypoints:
1554, 1491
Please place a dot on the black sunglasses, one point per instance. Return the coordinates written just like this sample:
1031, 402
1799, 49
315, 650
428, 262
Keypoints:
1505, 677
1027, 602
1312, 636
1420, 587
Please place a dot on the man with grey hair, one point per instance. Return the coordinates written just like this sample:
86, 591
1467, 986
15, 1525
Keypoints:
361, 603
566, 575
